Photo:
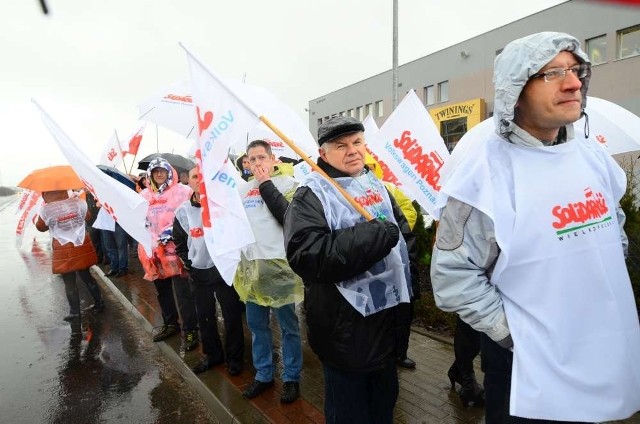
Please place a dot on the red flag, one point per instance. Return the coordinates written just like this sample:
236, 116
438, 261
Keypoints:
134, 141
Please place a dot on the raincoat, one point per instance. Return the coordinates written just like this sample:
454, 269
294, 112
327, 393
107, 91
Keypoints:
513, 261
263, 275
71, 245
163, 202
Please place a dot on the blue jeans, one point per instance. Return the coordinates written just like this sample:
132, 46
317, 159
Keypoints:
117, 247
360, 397
262, 344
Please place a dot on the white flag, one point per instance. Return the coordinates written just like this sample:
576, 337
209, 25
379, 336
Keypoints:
222, 118
411, 146
370, 131
112, 153
30, 203
127, 207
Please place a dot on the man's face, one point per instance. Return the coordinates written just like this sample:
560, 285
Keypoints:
544, 107
245, 163
159, 175
184, 177
194, 181
346, 153
258, 157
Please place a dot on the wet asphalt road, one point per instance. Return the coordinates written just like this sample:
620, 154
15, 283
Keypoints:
102, 370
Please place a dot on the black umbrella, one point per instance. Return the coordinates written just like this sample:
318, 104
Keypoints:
118, 175
180, 163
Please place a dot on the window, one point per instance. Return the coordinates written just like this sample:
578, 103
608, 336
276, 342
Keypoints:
452, 131
443, 90
629, 42
359, 116
597, 49
379, 109
319, 121
368, 109
342, 113
350, 113
429, 95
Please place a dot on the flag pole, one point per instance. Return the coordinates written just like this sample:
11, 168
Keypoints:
362, 211
316, 168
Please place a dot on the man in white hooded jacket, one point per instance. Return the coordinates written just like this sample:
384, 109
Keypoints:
530, 249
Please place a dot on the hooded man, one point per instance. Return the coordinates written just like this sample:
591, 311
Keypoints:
530, 249
164, 267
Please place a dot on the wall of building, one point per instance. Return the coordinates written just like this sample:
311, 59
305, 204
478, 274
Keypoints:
468, 66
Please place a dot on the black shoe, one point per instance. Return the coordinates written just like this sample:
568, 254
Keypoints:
290, 392
72, 317
165, 332
471, 391
205, 363
406, 363
256, 388
190, 341
234, 368
122, 273
98, 307
111, 273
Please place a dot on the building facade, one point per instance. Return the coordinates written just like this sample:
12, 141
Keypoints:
455, 83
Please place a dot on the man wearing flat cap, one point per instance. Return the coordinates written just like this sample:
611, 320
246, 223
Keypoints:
355, 273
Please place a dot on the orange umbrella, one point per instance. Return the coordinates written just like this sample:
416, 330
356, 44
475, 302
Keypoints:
52, 179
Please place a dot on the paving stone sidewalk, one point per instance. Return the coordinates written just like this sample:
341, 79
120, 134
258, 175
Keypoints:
425, 395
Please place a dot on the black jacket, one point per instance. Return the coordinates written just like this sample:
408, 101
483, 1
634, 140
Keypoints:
338, 334
180, 238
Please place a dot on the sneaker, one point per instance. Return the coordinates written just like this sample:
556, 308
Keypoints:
165, 332
256, 388
290, 391
122, 273
190, 341
111, 273
72, 317
206, 363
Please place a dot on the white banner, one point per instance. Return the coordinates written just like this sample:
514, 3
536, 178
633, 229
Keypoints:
112, 153
411, 147
104, 221
29, 205
222, 119
127, 207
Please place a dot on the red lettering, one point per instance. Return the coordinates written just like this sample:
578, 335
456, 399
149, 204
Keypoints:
203, 121
186, 99
426, 165
593, 207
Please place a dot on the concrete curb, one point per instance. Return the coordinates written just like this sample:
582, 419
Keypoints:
215, 405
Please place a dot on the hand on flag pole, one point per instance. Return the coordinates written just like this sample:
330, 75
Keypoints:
224, 117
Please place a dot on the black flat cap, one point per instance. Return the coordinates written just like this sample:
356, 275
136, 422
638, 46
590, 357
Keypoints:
338, 126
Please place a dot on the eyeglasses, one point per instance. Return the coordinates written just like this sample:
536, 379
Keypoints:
558, 74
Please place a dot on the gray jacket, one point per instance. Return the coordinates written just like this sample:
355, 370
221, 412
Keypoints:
466, 250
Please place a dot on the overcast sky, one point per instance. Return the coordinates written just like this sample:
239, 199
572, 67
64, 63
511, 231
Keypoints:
90, 62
